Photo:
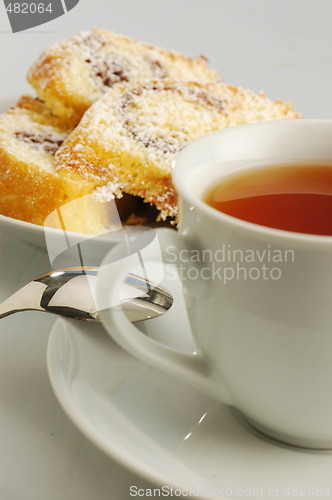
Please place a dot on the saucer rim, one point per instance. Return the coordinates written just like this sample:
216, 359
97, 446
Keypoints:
125, 458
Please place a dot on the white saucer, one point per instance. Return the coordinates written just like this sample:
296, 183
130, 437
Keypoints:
163, 429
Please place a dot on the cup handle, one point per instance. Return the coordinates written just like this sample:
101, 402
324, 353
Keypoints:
192, 368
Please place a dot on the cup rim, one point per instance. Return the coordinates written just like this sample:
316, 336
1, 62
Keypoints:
185, 192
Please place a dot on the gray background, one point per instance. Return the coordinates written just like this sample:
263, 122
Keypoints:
283, 47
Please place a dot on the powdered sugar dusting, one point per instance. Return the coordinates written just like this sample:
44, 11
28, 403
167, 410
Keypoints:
110, 191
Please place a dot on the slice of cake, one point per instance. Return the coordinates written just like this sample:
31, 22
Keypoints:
71, 75
30, 187
126, 141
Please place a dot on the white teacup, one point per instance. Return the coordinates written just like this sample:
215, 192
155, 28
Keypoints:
263, 336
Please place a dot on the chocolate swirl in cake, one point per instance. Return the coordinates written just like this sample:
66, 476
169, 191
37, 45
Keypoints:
173, 138
50, 143
157, 69
110, 68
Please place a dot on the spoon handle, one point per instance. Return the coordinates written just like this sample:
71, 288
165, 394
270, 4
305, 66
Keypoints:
70, 292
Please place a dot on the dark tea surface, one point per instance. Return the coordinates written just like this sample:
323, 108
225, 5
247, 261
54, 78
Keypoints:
290, 197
